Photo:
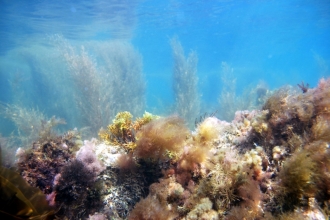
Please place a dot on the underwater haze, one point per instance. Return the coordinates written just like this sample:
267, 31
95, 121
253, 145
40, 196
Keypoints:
158, 110
272, 43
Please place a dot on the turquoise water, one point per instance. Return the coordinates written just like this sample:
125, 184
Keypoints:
270, 42
95, 63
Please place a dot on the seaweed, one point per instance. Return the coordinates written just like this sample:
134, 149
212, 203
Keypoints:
155, 206
39, 164
223, 181
161, 139
184, 78
321, 129
297, 180
207, 131
122, 131
77, 193
31, 124
19, 200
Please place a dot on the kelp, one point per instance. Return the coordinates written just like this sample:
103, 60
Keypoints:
18, 200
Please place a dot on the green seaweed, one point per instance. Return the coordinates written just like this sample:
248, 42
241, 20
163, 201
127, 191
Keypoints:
298, 179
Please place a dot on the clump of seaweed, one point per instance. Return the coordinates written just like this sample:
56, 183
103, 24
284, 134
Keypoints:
259, 123
297, 180
207, 130
197, 149
149, 208
321, 129
19, 200
155, 205
287, 117
223, 180
303, 178
203, 210
122, 131
39, 164
145, 119
86, 154
161, 139
321, 99
76, 193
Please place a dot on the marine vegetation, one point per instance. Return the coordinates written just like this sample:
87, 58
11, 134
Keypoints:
187, 99
106, 78
77, 194
31, 123
229, 101
268, 164
68, 180
271, 163
161, 139
19, 200
122, 131
39, 164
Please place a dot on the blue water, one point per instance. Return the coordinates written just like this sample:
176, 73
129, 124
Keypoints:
277, 42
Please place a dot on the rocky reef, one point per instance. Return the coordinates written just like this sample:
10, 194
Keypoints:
271, 163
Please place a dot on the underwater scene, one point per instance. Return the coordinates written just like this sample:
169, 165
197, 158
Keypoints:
165, 110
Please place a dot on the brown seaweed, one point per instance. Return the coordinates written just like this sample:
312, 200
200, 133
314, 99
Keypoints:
19, 200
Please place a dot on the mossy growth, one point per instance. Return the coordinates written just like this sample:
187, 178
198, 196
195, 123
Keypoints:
319, 152
203, 210
259, 124
321, 98
286, 106
151, 209
223, 180
161, 139
77, 192
277, 102
207, 130
321, 129
39, 164
193, 157
123, 128
297, 180
156, 204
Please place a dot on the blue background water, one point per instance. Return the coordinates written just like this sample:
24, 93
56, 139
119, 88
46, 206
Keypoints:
276, 41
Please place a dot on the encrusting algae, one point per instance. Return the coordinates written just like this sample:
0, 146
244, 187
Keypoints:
272, 163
